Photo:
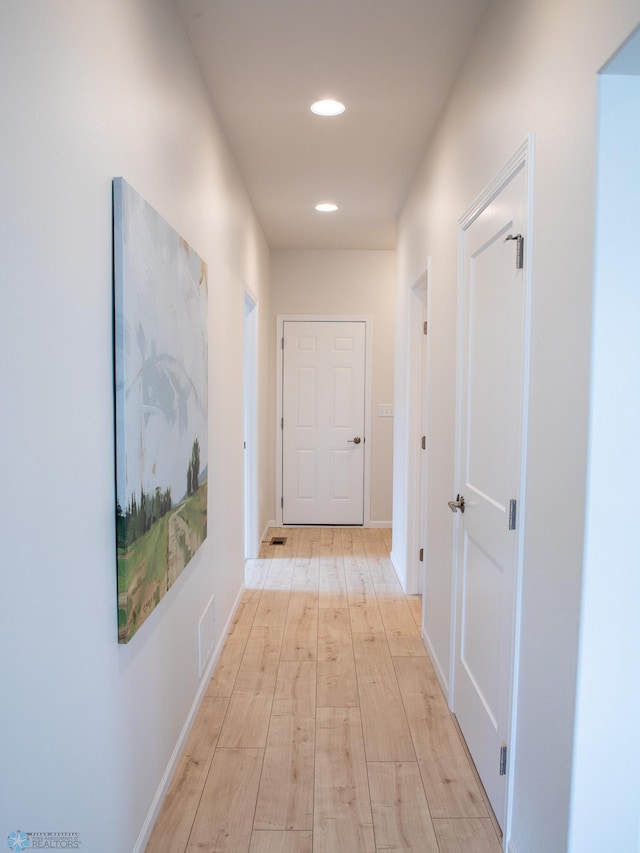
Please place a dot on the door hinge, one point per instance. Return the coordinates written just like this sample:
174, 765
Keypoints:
281, 503
424, 442
519, 249
422, 555
281, 343
512, 514
281, 423
424, 328
503, 760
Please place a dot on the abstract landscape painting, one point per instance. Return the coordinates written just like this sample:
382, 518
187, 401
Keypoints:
161, 357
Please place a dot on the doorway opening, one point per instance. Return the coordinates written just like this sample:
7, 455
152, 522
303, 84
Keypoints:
250, 394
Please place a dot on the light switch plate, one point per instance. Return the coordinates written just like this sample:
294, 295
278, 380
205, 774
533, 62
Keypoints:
385, 410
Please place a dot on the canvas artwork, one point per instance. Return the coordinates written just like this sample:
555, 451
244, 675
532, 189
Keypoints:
161, 356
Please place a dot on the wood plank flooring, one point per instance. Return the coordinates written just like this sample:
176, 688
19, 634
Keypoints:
323, 728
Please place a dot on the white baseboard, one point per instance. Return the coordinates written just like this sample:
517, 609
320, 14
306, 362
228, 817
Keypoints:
265, 532
381, 525
170, 769
511, 847
396, 569
444, 683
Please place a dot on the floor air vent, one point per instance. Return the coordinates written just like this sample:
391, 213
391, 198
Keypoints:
278, 540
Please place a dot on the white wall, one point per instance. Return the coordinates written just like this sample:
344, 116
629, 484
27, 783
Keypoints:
91, 91
532, 68
347, 282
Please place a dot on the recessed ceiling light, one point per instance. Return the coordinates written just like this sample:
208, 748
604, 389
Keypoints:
327, 107
326, 207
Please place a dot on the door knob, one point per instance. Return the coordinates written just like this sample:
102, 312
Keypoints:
458, 504
355, 440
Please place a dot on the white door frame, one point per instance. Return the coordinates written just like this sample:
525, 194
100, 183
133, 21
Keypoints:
250, 393
419, 311
359, 318
523, 156
605, 786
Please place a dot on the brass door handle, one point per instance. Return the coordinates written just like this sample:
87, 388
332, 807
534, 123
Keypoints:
355, 440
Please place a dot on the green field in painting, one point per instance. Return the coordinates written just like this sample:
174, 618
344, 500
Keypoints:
153, 563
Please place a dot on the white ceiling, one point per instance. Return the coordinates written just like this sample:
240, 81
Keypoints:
392, 62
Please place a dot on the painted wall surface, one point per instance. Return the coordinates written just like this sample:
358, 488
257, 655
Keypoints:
91, 91
533, 69
347, 282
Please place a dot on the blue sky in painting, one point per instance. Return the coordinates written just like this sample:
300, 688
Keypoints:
161, 350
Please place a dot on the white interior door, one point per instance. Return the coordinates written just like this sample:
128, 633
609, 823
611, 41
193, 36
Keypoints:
323, 411
489, 458
422, 501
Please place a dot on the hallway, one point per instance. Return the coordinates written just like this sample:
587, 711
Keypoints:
324, 729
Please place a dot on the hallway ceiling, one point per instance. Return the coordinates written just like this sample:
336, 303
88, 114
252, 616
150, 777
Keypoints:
392, 62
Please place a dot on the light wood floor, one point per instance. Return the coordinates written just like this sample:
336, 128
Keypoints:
324, 729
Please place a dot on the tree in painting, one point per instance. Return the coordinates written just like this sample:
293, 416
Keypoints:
161, 375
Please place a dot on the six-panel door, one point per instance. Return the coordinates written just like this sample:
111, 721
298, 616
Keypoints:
323, 401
